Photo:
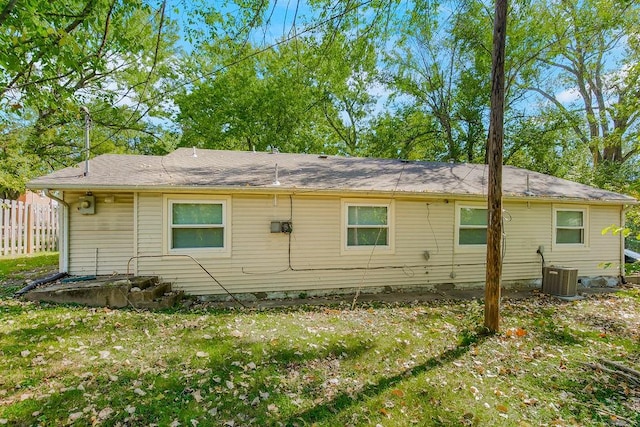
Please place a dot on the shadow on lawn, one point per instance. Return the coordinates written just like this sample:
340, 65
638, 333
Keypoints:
162, 396
343, 401
554, 330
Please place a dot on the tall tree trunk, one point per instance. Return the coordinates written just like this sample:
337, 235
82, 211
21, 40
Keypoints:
494, 156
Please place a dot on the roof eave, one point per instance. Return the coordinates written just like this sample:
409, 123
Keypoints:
324, 191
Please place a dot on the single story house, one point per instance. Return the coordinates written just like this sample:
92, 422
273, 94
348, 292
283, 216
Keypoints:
288, 224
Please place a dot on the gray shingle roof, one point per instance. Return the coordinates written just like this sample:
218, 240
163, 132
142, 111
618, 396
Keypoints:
227, 170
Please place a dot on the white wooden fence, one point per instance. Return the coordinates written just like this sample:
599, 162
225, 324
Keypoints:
28, 227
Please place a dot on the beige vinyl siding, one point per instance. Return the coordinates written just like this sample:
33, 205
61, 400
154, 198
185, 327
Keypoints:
154, 258
259, 260
255, 250
109, 232
527, 226
149, 233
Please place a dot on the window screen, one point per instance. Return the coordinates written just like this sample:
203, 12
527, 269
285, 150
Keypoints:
197, 225
367, 226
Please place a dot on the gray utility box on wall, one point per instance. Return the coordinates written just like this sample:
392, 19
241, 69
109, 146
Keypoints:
561, 281
87, 205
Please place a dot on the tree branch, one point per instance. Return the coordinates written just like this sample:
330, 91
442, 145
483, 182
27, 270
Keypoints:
559, 65
80, 19
103, 42
124, 127
564, 111
68, 29
7, 11
334, 126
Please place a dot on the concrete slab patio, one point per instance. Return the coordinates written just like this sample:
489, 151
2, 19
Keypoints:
150, 293
399, 297
112, 291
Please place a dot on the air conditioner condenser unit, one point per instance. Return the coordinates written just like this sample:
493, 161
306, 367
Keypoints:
561, 281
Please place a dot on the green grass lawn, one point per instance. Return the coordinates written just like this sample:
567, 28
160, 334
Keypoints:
388, 365
14, 271
16, 267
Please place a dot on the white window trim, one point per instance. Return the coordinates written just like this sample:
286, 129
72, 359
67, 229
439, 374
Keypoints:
466, 248
366, 250
585, 226
169, 199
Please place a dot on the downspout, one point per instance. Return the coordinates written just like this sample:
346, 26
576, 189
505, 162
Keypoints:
623, 213
64, 232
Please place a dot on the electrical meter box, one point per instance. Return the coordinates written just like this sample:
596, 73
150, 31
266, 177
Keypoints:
281, 227
87, 205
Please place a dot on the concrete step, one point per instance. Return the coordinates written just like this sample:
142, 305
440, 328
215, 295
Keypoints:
137, 295
113, 295
113, 292
168, 300
144, 282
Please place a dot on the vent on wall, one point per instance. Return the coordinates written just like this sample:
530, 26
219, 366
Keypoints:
560, 281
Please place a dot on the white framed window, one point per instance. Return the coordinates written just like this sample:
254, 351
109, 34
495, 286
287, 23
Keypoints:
367, 225
197, 225
570, 226
471, 226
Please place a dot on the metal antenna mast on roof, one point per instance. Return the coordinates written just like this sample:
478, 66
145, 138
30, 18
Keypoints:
528, 191
87, 147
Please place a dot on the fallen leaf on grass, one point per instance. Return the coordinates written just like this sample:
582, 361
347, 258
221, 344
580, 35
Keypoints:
397, 392
75, 416
105, 413
515, 332
502, 408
